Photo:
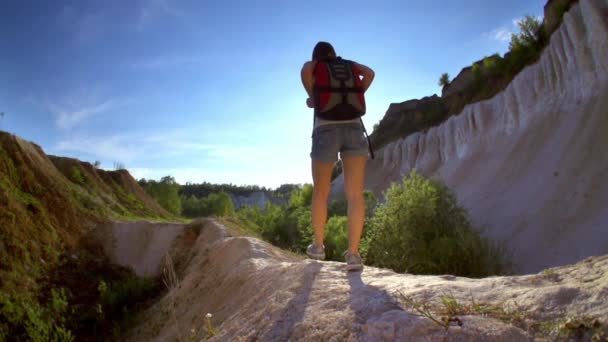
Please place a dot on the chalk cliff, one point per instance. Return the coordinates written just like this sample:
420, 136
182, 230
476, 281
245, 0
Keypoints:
530, 164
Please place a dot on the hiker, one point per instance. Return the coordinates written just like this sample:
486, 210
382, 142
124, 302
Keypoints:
335, 87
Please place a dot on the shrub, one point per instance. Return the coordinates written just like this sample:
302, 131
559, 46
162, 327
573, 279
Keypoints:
77, 175
22, 318
444, 80
493, 65
336, 238
421, 229
477, 73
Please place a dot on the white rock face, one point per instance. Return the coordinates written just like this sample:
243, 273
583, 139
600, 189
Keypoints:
530, 164
138, 245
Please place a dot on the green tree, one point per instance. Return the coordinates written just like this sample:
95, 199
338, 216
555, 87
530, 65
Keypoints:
444, 80
525, 46
165, 192
530, 34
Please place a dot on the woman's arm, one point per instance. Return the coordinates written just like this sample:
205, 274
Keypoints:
308, 80
368, 75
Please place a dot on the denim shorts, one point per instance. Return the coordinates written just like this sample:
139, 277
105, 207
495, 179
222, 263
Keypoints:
329, 139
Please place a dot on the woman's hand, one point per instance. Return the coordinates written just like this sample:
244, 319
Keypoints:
310, 102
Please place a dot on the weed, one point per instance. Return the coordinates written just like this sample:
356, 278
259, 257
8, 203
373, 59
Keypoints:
171, 282
450, 308
583, 328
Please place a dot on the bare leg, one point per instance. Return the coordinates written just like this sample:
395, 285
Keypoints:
321, 177
354, 176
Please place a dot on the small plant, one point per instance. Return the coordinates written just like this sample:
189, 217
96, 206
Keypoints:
447, 311
444, 80
583, 328
77, 176
209, 326
119, 166
97, 164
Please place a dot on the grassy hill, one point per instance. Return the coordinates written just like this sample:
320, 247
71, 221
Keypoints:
47, 205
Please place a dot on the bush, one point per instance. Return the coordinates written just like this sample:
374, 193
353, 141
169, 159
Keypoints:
477, 73
493, 65
22, 318
421, 229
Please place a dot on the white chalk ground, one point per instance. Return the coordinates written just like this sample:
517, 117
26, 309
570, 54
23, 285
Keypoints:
257, 292
139, 245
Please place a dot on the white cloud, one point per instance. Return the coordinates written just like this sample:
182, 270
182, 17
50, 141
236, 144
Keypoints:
115, 148
72, 113
502, 34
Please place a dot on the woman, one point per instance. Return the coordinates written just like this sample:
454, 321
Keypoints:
331, 137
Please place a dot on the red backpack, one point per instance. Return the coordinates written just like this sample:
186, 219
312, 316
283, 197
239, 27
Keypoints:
338, 94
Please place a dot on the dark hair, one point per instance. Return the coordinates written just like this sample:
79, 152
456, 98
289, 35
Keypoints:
323, 51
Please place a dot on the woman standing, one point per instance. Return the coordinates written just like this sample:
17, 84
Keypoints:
335, 88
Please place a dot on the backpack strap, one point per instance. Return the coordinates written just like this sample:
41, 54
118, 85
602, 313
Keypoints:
369, 142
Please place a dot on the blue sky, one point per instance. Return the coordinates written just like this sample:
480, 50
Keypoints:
210, 90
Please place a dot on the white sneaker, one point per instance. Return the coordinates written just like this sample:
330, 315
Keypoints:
353, 262
316, 252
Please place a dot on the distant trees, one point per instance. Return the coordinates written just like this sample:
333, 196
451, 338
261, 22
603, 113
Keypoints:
205, 189
215, 204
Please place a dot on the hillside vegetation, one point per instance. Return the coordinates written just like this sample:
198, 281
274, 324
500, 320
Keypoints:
47, 205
